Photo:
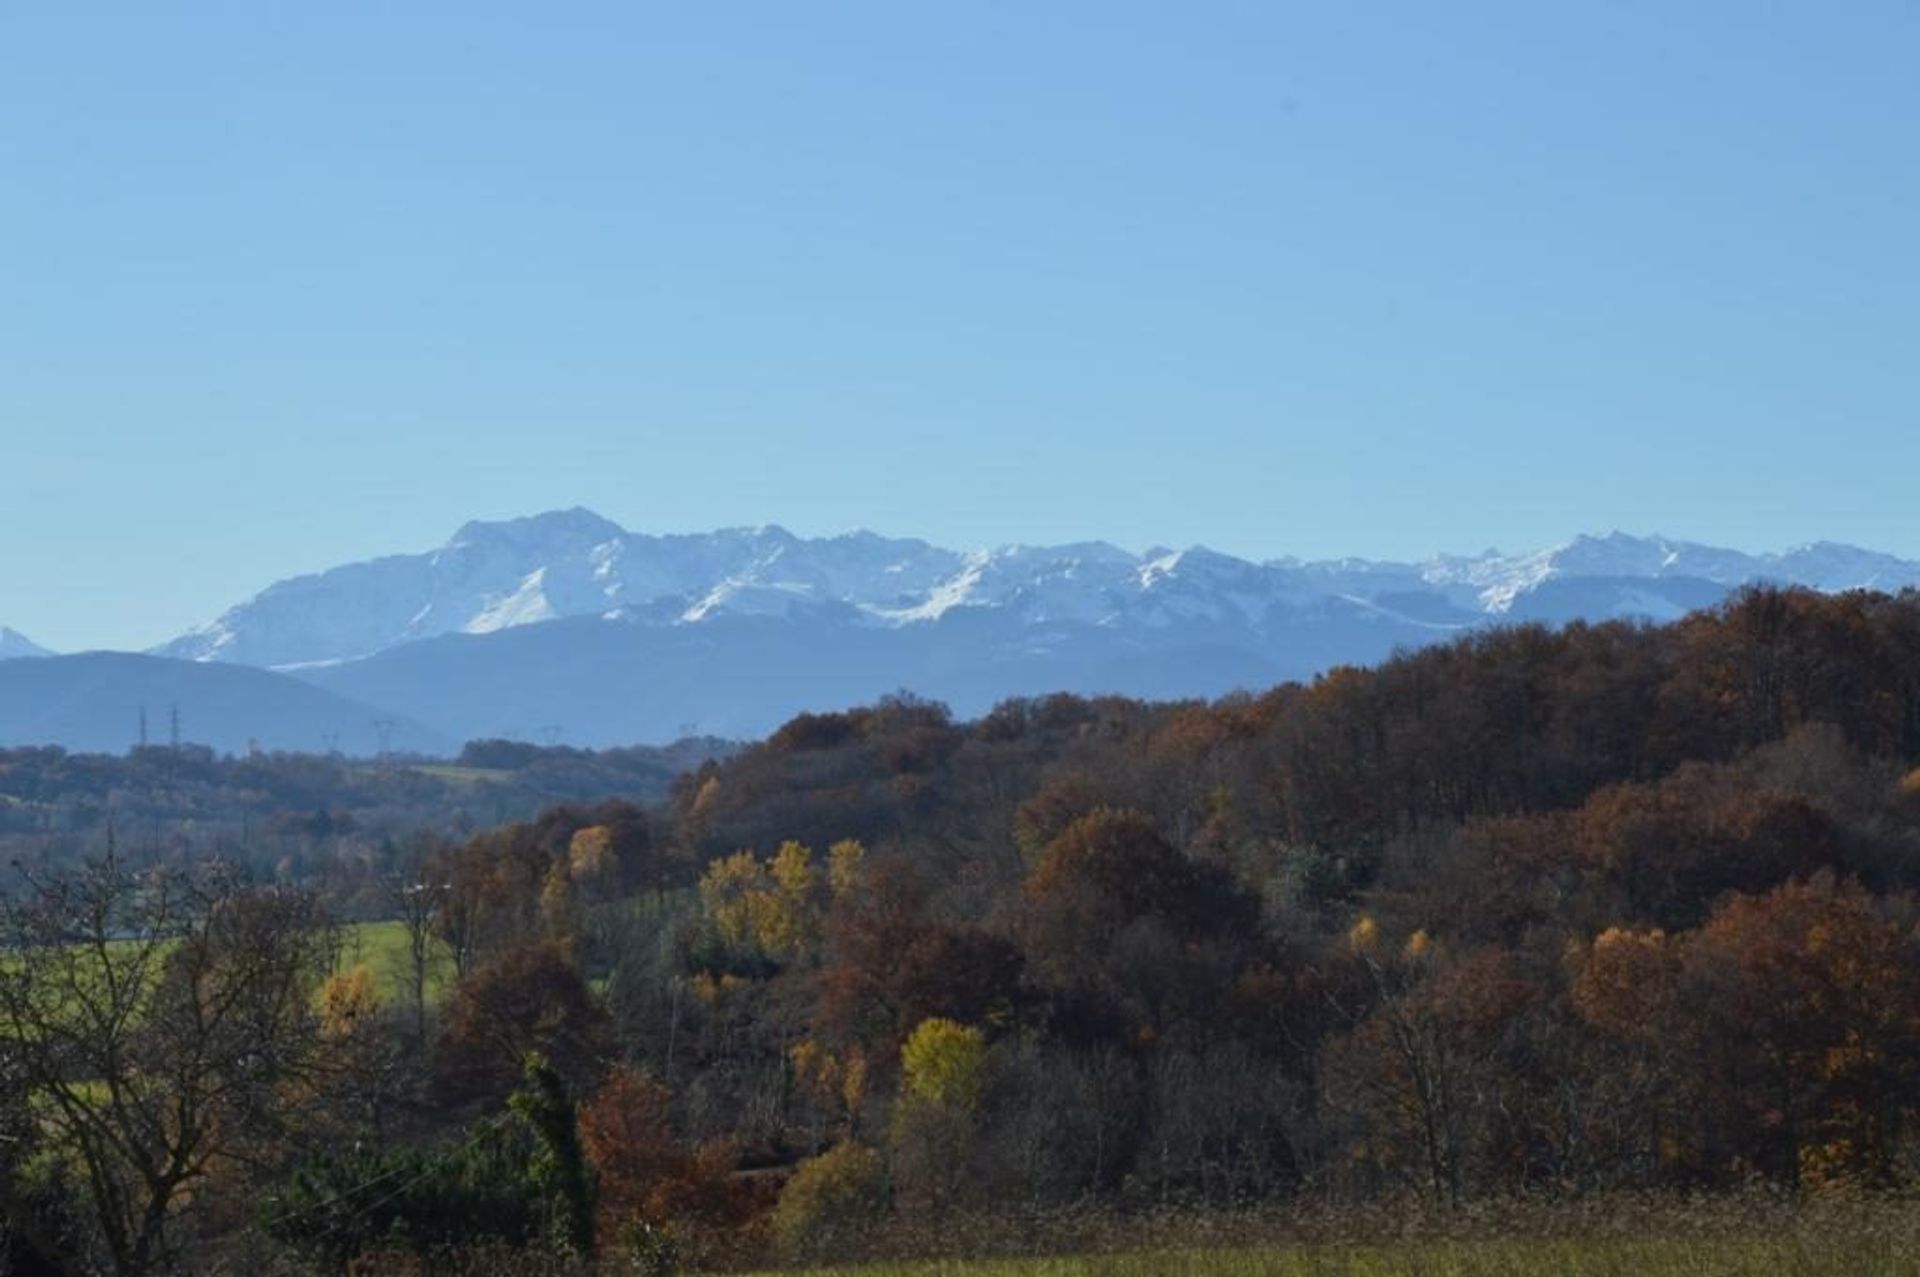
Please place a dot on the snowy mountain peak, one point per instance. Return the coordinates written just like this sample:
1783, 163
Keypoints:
577, 526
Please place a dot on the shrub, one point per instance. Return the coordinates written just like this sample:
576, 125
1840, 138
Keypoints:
830, 1199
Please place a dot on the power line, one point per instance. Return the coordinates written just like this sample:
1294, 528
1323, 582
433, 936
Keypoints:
485, 1127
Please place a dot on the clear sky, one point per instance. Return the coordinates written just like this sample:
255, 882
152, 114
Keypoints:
283, 286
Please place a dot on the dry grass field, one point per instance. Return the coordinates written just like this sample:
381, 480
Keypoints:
1604, 1238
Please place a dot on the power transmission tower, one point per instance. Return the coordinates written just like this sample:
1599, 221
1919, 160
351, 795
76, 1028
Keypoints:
383, 727
551, 734
143, 727
173, 726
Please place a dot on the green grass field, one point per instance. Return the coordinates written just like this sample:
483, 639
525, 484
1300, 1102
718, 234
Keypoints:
382, 946
458, 775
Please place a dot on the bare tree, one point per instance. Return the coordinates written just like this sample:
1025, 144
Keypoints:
418, 900
164, 1029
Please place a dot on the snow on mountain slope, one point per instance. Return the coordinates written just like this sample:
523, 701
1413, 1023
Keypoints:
1827, 566
1498, 581
14, 644
497, 576
494, 576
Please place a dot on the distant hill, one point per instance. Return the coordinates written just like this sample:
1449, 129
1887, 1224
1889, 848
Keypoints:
597, 683
14, 644
92, 702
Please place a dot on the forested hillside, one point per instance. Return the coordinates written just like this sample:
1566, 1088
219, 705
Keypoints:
1545, 912
335, 822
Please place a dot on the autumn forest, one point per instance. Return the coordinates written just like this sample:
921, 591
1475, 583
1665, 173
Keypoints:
1537, 914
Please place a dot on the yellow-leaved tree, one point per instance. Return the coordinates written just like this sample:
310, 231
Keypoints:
846, 866
778, 907
349, 1001
940, 1063
727, 891
590, 855
942, 1075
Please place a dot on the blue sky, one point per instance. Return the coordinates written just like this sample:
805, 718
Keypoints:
283, 286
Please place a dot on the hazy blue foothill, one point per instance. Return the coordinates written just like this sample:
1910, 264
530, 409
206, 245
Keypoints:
92, 703
14, 644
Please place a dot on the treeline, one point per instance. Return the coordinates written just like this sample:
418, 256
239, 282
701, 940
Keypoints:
1545, 912
305, 817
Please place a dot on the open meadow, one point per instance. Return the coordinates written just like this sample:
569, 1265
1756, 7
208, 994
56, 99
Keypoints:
382, 947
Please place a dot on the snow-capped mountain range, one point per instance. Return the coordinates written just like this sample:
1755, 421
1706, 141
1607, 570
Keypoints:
569, 564
566, 626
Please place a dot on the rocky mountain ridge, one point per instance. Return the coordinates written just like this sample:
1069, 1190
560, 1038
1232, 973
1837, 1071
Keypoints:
496, 576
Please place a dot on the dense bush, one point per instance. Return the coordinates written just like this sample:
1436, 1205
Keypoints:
829, 1200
